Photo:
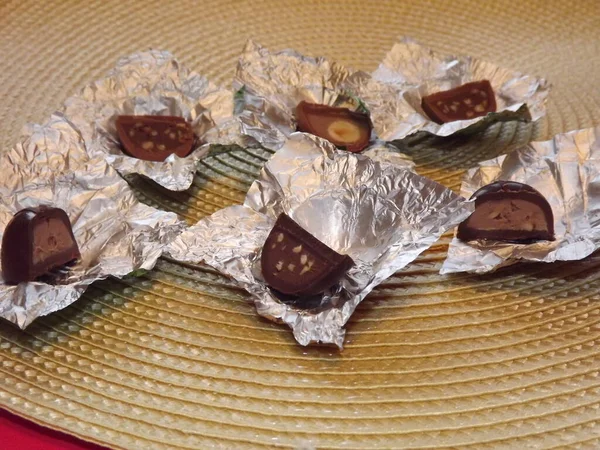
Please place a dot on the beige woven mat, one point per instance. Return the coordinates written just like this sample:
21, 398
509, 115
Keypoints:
179, 359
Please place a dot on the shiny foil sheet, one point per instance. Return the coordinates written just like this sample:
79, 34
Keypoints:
149, 83
411, 71
269, 85
382, 215
566, 170
116, 234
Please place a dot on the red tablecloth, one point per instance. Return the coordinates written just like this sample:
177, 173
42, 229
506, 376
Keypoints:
17, 433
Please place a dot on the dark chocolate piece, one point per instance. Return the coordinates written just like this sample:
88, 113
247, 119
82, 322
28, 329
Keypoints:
35, 242
461, 103
296, 263
340, 126
509, 211
154, 138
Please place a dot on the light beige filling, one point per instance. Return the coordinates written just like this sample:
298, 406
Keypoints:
508, 215
343, 131
49, 236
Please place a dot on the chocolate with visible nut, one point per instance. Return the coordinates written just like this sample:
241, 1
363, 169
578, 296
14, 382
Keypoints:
154, 138
340, 126
461, 103
35, 242
296, 263
511, 212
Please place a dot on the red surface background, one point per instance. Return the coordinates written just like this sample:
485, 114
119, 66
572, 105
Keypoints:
17, 433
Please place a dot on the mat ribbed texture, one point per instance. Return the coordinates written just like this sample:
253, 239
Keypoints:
179, 358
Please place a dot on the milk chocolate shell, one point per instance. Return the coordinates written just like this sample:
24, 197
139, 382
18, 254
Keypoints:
461, 103
296, 263
340, 126
154, 138
35, 242
509, 211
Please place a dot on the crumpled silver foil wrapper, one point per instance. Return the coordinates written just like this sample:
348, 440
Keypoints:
116, 234
411, 71
270, 85
566, 170
381, 215
150, 83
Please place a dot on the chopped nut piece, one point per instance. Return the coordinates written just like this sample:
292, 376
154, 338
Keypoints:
280, 237
147, 137
460, 103
508, 211
320, 266
297, 249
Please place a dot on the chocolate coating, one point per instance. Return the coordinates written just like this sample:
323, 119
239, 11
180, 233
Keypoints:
296, 263
461, 103
509, 211
340, 126
35, 242
154, 138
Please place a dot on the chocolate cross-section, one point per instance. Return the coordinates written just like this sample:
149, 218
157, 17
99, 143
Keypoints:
154, 138
340, 126
35, 242
461, 103
296, 263
511, 212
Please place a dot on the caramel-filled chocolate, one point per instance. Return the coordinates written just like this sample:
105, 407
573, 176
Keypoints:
509, 211
154, 138
340, 126
35, 242
461, 103
296, 263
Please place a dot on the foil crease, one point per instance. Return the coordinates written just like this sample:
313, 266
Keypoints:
116, 234
380, 214
150, 83
411, 71
269, 85
566, 170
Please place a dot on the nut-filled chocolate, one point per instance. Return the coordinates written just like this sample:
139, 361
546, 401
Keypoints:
35, 242
511, 212
154, 138
296, 263
340, 126
461, 103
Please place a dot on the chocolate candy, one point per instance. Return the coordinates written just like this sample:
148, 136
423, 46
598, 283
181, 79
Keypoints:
296, 263
154, 138
461, 103
340, 126
35, 242
509, 211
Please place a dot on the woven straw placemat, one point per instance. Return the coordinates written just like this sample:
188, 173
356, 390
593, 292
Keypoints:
179, 359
